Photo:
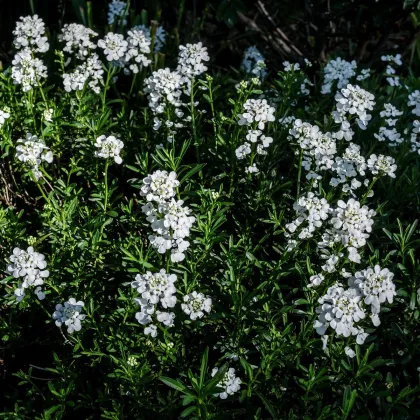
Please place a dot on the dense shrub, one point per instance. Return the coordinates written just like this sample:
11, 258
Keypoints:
183, 241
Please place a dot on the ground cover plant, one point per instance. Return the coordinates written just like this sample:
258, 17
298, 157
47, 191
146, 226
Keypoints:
183, 241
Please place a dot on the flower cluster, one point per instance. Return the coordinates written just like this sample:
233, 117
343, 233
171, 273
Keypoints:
169, 219
78, 40
230, 383
191, 59
109, 147
32, 151
257, 113
414, 138
29, 35
355, 101
114, 46
414, 100
338, 70
89, 72
154, 289
196, 304
27, 69
117, 12
69, 315
138, 47
382, 165
390, 71
311, 211
160, 36
253, 63
389, 132
341, 309
165, 88
31, 267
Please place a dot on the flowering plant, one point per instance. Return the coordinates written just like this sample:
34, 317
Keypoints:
218, 243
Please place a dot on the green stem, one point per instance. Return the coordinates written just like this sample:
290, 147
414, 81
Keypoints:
299, 174
106, 185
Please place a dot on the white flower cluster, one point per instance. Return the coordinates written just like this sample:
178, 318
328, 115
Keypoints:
355, 101
390, 71
414, 100
32, 151
154, 289
4, 115
257, 113
382, 165
169, 219
364, 74
138, 47
230, 383
27, 69
160, 186
117, 12
160, 36
29, 34
312, 212
196, 304
109, 147
414, 138
89, 72
338, 70
31, 267
114, 46
78, 40
69, 315
165, 87
191, 59
253, 63
352, 224
389, 133
341, 309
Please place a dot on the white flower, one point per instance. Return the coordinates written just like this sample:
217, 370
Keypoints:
191, 59
4, 115
316, 280
195, 304
355, 100
382, 165
156, 288
159, 186
69, 315
31, 267
117, 12
29, 34
109, 147
78, 40
253, 63
252, 169
31, 151
151, 330
114, 46
340, 70
230, 383
27, 70
340, 309
163, 87
392, 59
138, 47
376, 285
243, 150
89, 72
414, 100
349, 352
258, 111
291, 66
414, 139
166, 318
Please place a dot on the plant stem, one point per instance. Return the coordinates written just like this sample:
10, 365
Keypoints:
106, 185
